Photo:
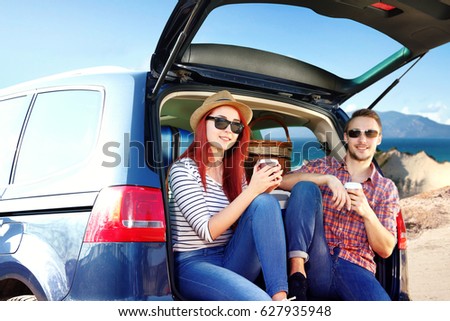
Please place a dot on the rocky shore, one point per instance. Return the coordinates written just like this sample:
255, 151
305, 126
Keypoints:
414, 173
426, 211
424, 188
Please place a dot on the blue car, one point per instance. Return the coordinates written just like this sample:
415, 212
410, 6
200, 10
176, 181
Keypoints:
84, 154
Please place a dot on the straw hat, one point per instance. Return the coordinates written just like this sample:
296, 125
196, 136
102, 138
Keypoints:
222, 98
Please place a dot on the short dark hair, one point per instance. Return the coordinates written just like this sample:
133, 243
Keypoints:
364, 113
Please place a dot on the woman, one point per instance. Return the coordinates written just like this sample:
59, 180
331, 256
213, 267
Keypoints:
225, 230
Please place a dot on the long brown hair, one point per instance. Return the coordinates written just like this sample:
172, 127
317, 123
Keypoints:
233, 160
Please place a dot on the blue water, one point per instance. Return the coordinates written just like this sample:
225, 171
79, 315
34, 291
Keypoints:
437, 148
305, 148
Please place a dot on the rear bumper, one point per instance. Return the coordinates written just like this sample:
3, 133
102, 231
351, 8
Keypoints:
121, 271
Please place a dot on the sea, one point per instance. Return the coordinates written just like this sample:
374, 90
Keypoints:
437, 148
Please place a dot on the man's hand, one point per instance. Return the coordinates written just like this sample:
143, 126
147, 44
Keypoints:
340, 196
359, 202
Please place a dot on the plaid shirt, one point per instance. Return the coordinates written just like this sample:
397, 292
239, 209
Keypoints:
345, 229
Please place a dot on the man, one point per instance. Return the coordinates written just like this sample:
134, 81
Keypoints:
334, 233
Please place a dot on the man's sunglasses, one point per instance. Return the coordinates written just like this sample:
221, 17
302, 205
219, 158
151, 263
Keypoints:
370, 133
222, 123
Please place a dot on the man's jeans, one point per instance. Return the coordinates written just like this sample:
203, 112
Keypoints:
227, 272
329, 277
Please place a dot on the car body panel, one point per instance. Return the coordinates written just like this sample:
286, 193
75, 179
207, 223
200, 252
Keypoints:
43, 222
103, 272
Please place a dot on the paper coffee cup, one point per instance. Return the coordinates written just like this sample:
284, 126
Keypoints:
352, 185
268, 161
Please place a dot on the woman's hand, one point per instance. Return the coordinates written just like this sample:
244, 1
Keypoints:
265, 179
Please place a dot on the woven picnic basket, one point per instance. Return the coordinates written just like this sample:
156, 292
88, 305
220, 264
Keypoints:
260, 149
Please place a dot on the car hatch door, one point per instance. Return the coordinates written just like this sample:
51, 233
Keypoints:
415, 26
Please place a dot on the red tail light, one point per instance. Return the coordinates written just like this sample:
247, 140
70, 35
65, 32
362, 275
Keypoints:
401, 232
127, 214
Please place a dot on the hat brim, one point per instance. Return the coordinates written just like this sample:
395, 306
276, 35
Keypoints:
245, 111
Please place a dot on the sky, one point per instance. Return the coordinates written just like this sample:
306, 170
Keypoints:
45, 37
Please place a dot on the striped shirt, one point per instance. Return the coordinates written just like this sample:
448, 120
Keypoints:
191, 207
345, 229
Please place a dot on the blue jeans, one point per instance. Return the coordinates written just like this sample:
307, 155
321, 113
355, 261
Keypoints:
227, 273
329, 277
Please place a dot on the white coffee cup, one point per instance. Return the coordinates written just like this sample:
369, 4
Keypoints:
352, 185
268, 161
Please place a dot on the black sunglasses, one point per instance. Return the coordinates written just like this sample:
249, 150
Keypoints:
222, 123
370, 133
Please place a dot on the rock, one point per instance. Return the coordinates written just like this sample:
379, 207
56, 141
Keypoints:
414, 174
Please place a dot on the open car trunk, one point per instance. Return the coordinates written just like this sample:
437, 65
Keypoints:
321, 134
197, 56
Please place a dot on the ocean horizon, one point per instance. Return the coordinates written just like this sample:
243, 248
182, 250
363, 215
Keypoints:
437, 148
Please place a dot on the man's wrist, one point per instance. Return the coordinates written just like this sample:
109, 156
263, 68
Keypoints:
328, 179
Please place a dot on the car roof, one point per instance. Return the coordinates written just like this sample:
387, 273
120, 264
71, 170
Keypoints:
416, 25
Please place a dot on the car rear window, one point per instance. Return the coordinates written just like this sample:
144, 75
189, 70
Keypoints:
299, 33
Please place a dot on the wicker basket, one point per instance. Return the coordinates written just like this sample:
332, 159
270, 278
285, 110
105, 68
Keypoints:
259, 149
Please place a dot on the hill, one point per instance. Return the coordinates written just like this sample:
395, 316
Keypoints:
398, 125
413, 174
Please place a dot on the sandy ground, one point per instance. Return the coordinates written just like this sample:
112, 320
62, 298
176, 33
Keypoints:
429, 265
424, 187
428, 216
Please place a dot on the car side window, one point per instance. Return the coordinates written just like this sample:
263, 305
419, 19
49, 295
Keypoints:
61, 133
12, 115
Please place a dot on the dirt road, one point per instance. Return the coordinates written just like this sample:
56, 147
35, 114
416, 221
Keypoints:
429, 265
